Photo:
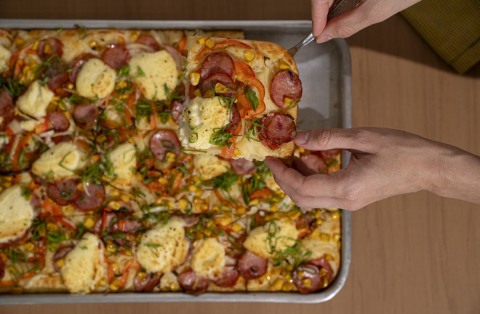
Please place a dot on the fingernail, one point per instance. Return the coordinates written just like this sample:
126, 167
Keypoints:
323, 39
302, 137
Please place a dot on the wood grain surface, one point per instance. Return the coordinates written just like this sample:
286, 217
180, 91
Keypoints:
415, 253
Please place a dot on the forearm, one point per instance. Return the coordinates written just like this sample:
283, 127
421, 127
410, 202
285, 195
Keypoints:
457, 174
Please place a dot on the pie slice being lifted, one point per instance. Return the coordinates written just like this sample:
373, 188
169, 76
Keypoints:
243, 98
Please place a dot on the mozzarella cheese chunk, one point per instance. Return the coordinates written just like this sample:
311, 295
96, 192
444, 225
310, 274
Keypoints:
95, 79
272, 185
62, 160
123, 160
16, 214
210, 166
152, 71
169, 281
5, 55
204, 115
83, 267
209, 259
273, 237
164, 247
36, 100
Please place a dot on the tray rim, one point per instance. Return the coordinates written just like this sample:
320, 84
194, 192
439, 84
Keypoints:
264, 297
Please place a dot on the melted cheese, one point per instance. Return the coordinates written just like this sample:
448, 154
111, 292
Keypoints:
36, 100
62, 160
169, 281
16, 214
210, 166
273, 237
272, 185
209, 259
83, 267
5, 55
159, 69
95, 79
204, 115
123, 160
164, 247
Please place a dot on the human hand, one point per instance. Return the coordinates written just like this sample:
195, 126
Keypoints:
368, 12
384, 163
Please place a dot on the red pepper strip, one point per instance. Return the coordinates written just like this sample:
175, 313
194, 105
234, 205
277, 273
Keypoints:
244, 68
221, 45
177, 182
110, 272
18, 68
42, 127
130, 265
155, 186
18, 150
247, 111
224, 202
130, 112
228, 152
182, 43
265, 193
56, 211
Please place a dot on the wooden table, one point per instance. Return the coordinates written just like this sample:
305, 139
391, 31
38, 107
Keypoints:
416, 253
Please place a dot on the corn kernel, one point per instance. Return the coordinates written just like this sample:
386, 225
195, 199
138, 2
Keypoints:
29, 246
224, 220
301, 274
207, 232
102, 282
210, 43
325, 282
163, 180
283, 65
248, 55
208, 94
236, 227
294, 214
278, 284
253, 202
199, 192
194, 78
170, 157
236, 152
70, 86
89, 223
215, 209
170, 205
201, 40
315, 234
287, 287
307, 282
204, 207
125, 198
115, 193
192, 188
289, 267
322, 272
80, 186
325, 237
197, 93
111, 247
174, 287
336, 237
339, 245
139, 176
141, 275
241, 211
115, 267
47, 49
288, 101
269, 217
52, 227
114, 205
274, 208
318, 214
25, 69
328, 257
93, 43
60, 262
115, 285
122, 84
249, 63
19, 41
183, 204
7, 184
335, 215
131, 141
220, 88
16, 290
134, 35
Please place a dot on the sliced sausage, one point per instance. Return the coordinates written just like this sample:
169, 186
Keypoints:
251, 266
323, 263
148, 283
56, 73
277, 129
149, 41
61, 138
315, 162
307, 278
77, 64
228, 278
285, 84
217, 62
212, 80
7, 109
91, 201
176, 55
58, 121
177, 109
63, 192
242, 166
129, 226
98, 227
192, 283
164, 141
49, 47
85, 115
235, 119
61, 253
330, 154
2, 269
116, 56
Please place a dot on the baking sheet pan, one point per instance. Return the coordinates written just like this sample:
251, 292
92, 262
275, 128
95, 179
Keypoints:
325, 72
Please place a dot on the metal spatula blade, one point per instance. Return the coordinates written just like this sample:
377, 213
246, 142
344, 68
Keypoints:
339, 7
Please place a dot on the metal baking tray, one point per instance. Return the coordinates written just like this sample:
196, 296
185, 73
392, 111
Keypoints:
325, 72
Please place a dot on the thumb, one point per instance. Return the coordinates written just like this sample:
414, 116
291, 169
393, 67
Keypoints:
349, 23
328, 138
319, 15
